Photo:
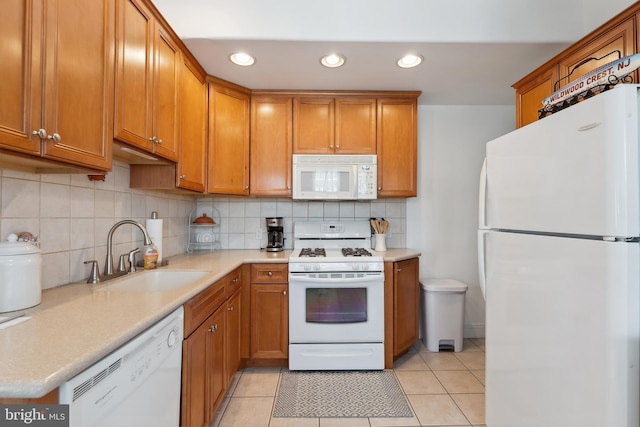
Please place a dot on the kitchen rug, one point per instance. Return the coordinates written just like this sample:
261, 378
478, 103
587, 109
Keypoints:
322, 394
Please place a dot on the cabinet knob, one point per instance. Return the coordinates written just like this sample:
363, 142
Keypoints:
379, 188
337, 146
270, 274
152, 139
183, 176
159, 141
331, 146
399, 270
246, 187
213, 328
230, 308
235, 280
284, 293
40, 133
55, 138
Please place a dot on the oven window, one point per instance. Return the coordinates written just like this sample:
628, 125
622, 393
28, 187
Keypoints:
336, 305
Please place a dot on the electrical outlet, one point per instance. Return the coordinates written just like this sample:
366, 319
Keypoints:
259, 234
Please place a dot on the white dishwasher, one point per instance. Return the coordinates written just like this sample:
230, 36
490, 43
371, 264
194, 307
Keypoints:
136, 385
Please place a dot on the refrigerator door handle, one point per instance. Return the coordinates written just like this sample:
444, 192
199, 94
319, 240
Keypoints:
482, 272
482, 197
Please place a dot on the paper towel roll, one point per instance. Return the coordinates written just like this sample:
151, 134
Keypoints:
154, 229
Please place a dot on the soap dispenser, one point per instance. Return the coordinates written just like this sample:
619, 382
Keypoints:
150, 255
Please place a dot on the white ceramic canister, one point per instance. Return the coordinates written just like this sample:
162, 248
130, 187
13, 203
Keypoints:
20, 275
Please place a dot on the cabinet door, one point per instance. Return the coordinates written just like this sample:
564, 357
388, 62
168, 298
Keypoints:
529, 95
216, 378
193, 408
193, 129
232, 345
79, 96
271, 146
134, 74
20, 75
228, 166
269, 321
313, 126
406, 295
397, 147
621, 38
355, 126
165, 101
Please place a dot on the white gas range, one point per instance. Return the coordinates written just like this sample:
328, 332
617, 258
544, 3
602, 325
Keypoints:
336, 298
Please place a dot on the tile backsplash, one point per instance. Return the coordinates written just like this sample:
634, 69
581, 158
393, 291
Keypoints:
72, 215
241, 222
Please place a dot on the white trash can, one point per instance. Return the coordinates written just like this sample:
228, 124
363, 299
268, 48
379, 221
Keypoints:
442, 302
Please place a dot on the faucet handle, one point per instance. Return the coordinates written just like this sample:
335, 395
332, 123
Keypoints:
121, 266
94, 276
132, 260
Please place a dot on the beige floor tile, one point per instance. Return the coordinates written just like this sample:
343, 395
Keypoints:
294, 422
257, 383
411, 361
459, 382
473, 360
479, 342
472, 406
469, 344
394, 422
479, 375
443, 361
247, 411
437, 409
344, 422
419, 382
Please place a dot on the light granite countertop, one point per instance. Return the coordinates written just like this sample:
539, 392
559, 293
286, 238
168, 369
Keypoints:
78, 324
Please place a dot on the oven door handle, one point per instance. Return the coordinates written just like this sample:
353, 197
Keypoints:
342, 280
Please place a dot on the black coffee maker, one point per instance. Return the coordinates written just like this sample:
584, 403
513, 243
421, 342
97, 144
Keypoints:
275, 235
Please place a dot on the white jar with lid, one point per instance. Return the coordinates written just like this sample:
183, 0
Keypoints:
20, 275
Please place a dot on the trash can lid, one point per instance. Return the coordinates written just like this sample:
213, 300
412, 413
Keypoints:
443, 285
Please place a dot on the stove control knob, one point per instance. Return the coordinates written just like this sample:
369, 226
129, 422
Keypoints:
365, 266
307, 267
355, 266
316, 267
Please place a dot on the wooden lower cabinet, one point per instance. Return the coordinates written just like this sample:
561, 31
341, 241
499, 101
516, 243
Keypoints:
402, 307
269, 312
203, 380
211, 350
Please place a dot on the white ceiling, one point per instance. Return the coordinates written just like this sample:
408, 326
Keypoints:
474, 50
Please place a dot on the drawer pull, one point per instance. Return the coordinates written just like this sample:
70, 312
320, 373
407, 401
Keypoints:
270, 274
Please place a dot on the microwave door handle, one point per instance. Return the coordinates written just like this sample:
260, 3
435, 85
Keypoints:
324, 280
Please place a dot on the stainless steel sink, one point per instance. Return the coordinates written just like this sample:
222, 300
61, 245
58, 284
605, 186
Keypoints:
155, 280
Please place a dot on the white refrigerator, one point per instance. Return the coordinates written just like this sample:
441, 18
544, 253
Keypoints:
559, 258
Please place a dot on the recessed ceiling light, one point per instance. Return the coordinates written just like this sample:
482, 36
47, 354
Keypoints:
409, 61
333, 60
242, 59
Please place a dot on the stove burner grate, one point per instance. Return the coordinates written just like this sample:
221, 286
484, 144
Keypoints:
355, 252
317, 252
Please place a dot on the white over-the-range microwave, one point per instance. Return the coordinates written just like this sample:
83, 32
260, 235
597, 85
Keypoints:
335, 177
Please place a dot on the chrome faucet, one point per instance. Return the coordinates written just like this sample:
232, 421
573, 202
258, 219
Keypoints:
108, 266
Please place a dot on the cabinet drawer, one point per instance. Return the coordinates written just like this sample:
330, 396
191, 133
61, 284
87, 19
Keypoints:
198, 308
232, 282
269, 273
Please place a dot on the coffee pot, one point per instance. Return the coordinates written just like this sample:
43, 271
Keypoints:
275, 235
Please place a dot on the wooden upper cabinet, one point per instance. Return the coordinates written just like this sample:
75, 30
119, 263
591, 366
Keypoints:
192, 158
313, 125
619, 38
334, 125
530, 94
355, 126
397, 150
271, 146
228, 166
618, 34
43, 87
147, 79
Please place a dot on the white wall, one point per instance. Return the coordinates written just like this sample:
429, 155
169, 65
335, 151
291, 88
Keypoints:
443, 219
